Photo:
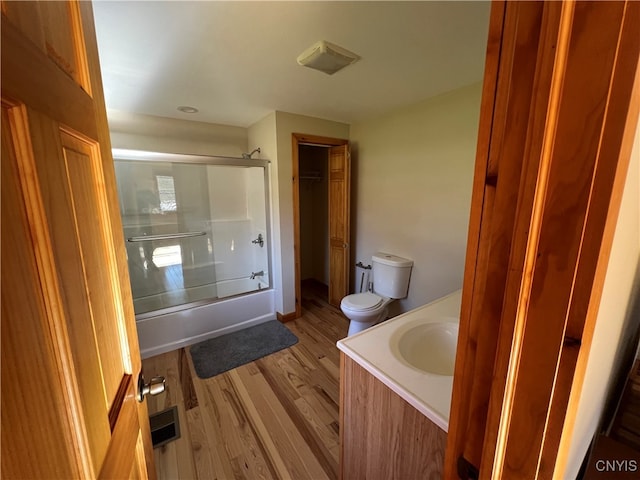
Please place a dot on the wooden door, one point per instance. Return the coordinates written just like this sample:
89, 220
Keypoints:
70, 358
339, 223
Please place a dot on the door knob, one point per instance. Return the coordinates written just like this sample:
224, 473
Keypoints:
154, 387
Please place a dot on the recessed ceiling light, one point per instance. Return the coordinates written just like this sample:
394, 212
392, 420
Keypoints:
327, 57
187, 109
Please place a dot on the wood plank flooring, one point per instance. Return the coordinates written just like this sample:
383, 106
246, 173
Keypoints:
274, 418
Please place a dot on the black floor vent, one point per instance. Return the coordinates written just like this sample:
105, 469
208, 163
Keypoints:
165, 426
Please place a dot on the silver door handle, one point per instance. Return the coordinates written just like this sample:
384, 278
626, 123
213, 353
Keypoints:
154, 387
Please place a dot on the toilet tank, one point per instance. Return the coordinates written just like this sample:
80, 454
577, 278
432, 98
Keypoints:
391, 275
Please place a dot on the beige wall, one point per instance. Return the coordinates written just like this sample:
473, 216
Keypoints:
158, 134
618, 317
412, 173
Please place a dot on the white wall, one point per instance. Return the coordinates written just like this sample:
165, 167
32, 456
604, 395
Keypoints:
618, 315
257, 213
412, 172
237, 208
158, 134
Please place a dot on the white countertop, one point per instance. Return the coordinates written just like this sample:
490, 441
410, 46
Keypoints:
430, 394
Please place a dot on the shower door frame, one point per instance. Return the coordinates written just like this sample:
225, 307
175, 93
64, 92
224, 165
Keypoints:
148, 156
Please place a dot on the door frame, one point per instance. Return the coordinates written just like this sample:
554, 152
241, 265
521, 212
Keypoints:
298, 139
533, 339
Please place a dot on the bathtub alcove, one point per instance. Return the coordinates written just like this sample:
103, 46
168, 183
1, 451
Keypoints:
197, 235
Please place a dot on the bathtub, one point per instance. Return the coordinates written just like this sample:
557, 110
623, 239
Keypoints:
176, 329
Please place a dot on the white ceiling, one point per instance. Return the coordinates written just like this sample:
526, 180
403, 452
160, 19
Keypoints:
236, 60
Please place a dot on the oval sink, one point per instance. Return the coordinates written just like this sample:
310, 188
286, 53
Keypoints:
429, 347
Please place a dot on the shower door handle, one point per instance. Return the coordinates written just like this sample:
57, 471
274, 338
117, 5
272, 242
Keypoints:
165, 236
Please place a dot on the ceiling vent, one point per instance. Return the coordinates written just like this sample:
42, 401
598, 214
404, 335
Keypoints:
327, 57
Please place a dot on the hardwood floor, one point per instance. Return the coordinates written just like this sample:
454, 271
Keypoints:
276, 417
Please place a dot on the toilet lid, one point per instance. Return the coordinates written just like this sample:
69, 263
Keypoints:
362, 301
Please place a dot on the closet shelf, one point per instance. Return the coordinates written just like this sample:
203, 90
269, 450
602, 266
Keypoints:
317, 176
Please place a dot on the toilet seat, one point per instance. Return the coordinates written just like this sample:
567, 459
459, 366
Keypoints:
361, 301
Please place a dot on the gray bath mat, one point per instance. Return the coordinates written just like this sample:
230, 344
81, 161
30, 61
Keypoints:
217, 355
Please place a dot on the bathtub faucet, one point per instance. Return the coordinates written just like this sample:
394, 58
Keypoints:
256, 274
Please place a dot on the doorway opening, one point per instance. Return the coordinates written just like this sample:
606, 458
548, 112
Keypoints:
321, 204
314, 217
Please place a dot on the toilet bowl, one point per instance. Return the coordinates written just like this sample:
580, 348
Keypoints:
390, 281
364, 310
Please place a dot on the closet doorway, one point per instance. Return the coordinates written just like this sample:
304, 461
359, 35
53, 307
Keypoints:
321, 213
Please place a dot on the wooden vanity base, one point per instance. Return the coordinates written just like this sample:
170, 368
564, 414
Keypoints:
382, 437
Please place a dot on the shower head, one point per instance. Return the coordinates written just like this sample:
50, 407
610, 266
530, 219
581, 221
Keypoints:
248, 155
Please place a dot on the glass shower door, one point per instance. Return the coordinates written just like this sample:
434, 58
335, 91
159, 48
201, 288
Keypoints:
193, 231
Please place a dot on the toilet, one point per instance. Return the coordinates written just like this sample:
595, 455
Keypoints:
390, 282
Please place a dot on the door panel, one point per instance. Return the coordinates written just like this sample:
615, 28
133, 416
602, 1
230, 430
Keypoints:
52, 27
48, 157
25, 318
339, 219
55, 145
83, 170
122, 457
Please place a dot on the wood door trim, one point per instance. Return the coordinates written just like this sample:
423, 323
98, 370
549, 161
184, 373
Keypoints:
481, 200
319, 140
298, 139
616, 142
284, 318
549, 303
603, 133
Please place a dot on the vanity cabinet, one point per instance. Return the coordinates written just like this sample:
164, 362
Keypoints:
382, 437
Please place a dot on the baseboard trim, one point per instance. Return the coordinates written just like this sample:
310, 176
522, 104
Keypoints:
287, 317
